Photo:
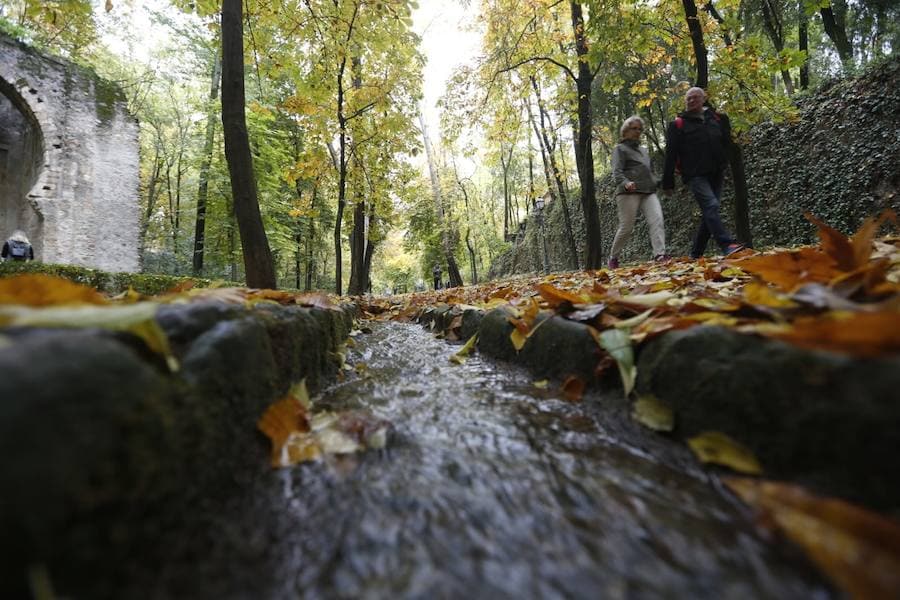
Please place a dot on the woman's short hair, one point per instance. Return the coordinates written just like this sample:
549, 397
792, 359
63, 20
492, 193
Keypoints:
628, 123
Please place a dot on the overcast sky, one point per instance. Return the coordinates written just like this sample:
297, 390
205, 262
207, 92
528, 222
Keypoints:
446, 45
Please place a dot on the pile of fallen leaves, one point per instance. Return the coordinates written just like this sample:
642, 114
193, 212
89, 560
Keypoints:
842, 295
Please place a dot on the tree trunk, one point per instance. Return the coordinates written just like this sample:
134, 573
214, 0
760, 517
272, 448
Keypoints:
452, 268
357, 284
741, 197
696, 31
203, 186
803, 44
547, 148
310, 258
838, 36
594, 249
258, 265
775, 32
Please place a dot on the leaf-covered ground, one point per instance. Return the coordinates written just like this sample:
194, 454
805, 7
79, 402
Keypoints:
842, 295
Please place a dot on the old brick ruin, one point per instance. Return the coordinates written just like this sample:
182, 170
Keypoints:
68, 162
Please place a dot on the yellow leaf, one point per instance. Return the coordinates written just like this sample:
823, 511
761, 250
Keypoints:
652, 413
541, 384
761, 294
460, 357
518, 339
37, 289
857, 549
717, 448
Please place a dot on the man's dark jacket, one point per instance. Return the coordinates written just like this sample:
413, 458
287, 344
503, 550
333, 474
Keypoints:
699, 146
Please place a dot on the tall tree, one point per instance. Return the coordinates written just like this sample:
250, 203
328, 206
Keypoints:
446, 240
584, 153
203, 184
258, 263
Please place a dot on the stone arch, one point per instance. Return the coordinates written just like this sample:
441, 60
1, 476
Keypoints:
22, 161
77, 187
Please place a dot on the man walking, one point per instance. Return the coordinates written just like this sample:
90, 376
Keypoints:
697, 141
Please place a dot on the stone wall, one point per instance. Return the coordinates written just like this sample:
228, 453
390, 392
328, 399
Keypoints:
68, 162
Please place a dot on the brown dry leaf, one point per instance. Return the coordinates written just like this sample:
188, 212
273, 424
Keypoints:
555, 296
850, 253
835, 244
792, 268
277, 296
866, 334
315, 300
37, 289
857, 549
573, 388
717, 448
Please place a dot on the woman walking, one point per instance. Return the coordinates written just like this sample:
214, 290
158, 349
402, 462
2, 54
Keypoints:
635, 190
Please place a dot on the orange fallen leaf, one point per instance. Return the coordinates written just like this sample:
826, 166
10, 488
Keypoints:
37, 289
866, 334
857, 549
555, 296
282, 419
314, 300
850, 253
791, 268
573, 388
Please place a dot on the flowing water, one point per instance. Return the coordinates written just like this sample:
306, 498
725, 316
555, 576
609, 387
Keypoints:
492, 488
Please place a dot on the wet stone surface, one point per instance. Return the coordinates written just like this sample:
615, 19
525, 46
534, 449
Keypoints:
488, 488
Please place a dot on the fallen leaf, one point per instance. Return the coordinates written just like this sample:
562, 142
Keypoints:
463, 353
518, 339
792, 268
137, 319
541, 384
760, 294
850, 253
857, 549
555, 296
717, 448
618, 343
652, 413
281, 420
573, 388
37, 289
865, 334
648, 300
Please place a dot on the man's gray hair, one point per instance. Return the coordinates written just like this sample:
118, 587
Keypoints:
700, 89
628, 123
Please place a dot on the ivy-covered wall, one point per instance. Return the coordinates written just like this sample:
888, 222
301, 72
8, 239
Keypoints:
840, 161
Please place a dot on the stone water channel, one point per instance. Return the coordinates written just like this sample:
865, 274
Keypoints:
488, 488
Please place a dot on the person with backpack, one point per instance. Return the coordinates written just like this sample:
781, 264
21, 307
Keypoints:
697, 144
17, 247
635, 189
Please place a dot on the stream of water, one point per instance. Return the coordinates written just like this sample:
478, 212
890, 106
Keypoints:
492, 488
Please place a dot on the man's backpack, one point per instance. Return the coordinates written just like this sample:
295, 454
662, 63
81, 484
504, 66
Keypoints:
18, 250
